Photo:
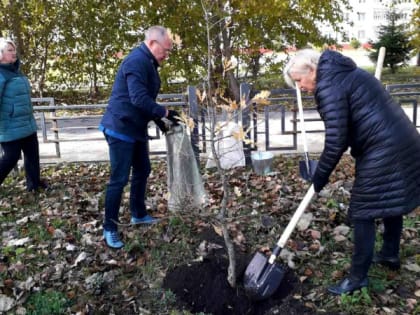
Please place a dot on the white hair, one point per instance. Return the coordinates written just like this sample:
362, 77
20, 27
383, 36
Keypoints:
303, 61
4, 42
156, 32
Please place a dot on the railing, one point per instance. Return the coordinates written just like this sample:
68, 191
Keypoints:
406, 94
283, 111
51, 118
275, 127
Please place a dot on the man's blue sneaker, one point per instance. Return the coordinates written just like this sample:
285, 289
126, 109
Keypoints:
112, 239
147, 219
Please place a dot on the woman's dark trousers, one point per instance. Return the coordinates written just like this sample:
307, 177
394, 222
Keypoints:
364, 243
11, 154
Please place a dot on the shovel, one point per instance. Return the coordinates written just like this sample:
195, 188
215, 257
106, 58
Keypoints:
306, 167
263, 276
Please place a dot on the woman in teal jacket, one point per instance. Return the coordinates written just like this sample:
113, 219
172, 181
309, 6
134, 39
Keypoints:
17, 122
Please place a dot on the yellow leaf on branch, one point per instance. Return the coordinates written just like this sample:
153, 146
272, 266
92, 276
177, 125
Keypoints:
228, 65
234, 106
201, 96
187, 120
262, 98
241, 135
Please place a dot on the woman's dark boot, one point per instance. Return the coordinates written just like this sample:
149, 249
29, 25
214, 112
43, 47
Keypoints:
392, 262
348, 285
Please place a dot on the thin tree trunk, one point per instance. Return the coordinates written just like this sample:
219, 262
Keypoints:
44, 58
227, 53
213, 140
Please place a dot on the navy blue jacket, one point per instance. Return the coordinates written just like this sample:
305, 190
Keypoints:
359, 113
133, 98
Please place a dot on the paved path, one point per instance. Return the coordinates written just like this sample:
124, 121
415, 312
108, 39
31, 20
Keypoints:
97, 150
72, 149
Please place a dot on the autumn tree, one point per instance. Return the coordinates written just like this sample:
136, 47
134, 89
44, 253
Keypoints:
91, 39
70, 43
245, 30
211, 13
32, 25
214, 103
80, 42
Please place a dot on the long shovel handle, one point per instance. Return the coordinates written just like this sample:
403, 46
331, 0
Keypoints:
302, 127
292, 223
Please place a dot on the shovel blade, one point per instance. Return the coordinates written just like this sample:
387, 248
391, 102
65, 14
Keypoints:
303, 169
261, 278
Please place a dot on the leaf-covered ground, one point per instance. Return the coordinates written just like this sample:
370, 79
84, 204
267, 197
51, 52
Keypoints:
53, 259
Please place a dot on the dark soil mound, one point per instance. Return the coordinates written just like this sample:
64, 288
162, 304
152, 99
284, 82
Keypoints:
202, 287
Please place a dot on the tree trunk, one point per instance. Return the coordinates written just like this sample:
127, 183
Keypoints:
214, 53
227, 53
44, 58
255, 66
94, 89
232, 256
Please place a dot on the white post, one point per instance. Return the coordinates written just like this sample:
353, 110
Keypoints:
380, 63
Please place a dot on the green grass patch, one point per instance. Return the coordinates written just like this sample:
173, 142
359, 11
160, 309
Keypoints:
409, 250
47, 303
378, 279
410, 222
357, 302
58, 223
38, 233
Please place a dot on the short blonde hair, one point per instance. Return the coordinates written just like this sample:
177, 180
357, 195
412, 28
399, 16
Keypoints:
3, 44
303, 61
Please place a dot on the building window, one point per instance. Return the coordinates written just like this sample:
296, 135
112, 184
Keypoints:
361, 16
379, 15
361, 34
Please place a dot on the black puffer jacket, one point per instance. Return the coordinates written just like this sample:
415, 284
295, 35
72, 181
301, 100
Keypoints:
359, 113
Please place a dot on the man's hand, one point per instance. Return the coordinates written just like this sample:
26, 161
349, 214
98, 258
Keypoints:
162, 126
173, 116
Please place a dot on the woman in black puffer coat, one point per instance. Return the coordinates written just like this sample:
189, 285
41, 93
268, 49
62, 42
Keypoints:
359, 113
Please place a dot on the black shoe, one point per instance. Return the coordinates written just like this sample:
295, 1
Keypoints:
348, 285
43, 185
391, 262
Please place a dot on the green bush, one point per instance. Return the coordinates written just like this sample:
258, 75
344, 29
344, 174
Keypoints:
355, 43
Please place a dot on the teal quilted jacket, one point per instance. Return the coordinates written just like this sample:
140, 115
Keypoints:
16, 114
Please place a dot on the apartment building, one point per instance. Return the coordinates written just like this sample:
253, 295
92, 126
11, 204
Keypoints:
366, 16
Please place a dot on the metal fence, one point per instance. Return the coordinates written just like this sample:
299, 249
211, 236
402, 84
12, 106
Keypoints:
406, 94
283, 113
54, 120
274, 127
